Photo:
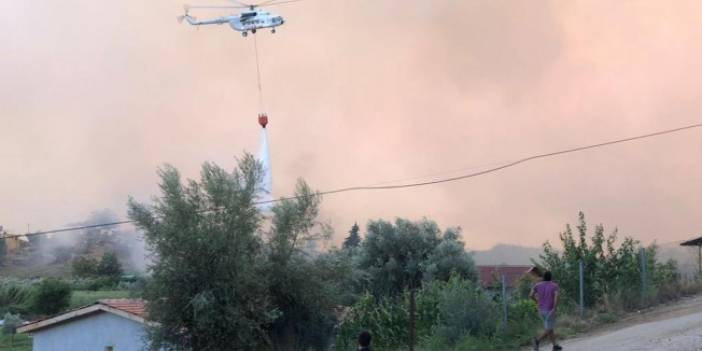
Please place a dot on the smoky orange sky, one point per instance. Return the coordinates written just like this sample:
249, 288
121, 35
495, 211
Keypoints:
95, 95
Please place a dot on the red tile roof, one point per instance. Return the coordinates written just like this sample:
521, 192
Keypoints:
490, 276
136, 307
132, 309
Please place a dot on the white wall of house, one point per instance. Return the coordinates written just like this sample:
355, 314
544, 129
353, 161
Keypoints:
92, 333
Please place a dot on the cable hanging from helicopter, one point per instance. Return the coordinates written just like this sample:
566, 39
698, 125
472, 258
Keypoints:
262, 115
250, 20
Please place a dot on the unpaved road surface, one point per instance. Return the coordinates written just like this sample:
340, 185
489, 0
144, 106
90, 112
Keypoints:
670, 328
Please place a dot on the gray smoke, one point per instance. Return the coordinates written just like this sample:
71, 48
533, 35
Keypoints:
63, 248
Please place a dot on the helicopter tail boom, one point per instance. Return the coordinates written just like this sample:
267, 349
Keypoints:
195, 22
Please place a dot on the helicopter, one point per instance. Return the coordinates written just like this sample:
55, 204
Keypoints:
250, 20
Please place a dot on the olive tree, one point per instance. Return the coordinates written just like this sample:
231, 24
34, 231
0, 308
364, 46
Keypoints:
400, 256
208, 289
299, 285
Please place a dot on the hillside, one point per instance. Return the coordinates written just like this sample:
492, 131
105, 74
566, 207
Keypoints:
522, 255
507, 254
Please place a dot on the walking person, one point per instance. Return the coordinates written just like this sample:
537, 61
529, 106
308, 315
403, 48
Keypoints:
545, 293
364, 341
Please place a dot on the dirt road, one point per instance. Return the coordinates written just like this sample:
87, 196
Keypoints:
675, 327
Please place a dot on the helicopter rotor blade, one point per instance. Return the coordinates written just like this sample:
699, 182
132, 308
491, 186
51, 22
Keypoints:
241, 3
216, 7
276, 2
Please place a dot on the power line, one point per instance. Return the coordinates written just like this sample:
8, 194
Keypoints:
407, 185
69, 229
502, 167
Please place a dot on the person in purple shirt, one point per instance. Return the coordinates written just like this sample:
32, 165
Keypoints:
545, 293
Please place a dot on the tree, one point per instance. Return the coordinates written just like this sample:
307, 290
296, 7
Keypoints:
208, 289
342, 274
50, 297
402, 255
85, 267
612, 270
109, 266
3, 250
92, 239
298, 287
450, 258
354, 239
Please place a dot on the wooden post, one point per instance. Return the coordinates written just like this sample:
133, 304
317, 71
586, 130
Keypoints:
699, 259
644, 276
581, 268
412, 323
504, 303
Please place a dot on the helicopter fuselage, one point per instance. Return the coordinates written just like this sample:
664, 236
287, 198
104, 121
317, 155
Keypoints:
245, 22
251, 21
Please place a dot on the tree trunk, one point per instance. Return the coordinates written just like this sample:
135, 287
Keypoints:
412, 321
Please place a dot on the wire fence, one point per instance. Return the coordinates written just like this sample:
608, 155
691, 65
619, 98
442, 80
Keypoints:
646, 292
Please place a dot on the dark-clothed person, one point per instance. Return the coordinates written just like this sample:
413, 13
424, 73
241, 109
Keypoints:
364, 341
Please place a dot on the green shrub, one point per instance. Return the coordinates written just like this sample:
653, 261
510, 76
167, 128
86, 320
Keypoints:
522, 321
10, 323
50, 297
471, 343
110, 267
14, 296
468, 343
84, 267
95, 284
465, 310
386, 320
606, 318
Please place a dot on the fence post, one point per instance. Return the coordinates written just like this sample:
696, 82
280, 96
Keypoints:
412, 316
644, 277
504, 303
582, 288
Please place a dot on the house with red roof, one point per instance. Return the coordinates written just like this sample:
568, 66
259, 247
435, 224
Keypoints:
107, 325
490, 277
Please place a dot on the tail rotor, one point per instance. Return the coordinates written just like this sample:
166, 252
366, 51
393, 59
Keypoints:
185, 15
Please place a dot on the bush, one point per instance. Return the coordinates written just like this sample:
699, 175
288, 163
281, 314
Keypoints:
62, 254
465, 310
447, 312
94, 284
109, 266
606, 318
612, 270
85, 267
50, 297
522, 320
10, 323
14, 296
386, 320
468, 343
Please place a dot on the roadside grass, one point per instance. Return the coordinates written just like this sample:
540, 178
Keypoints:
20, 342
86, 297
